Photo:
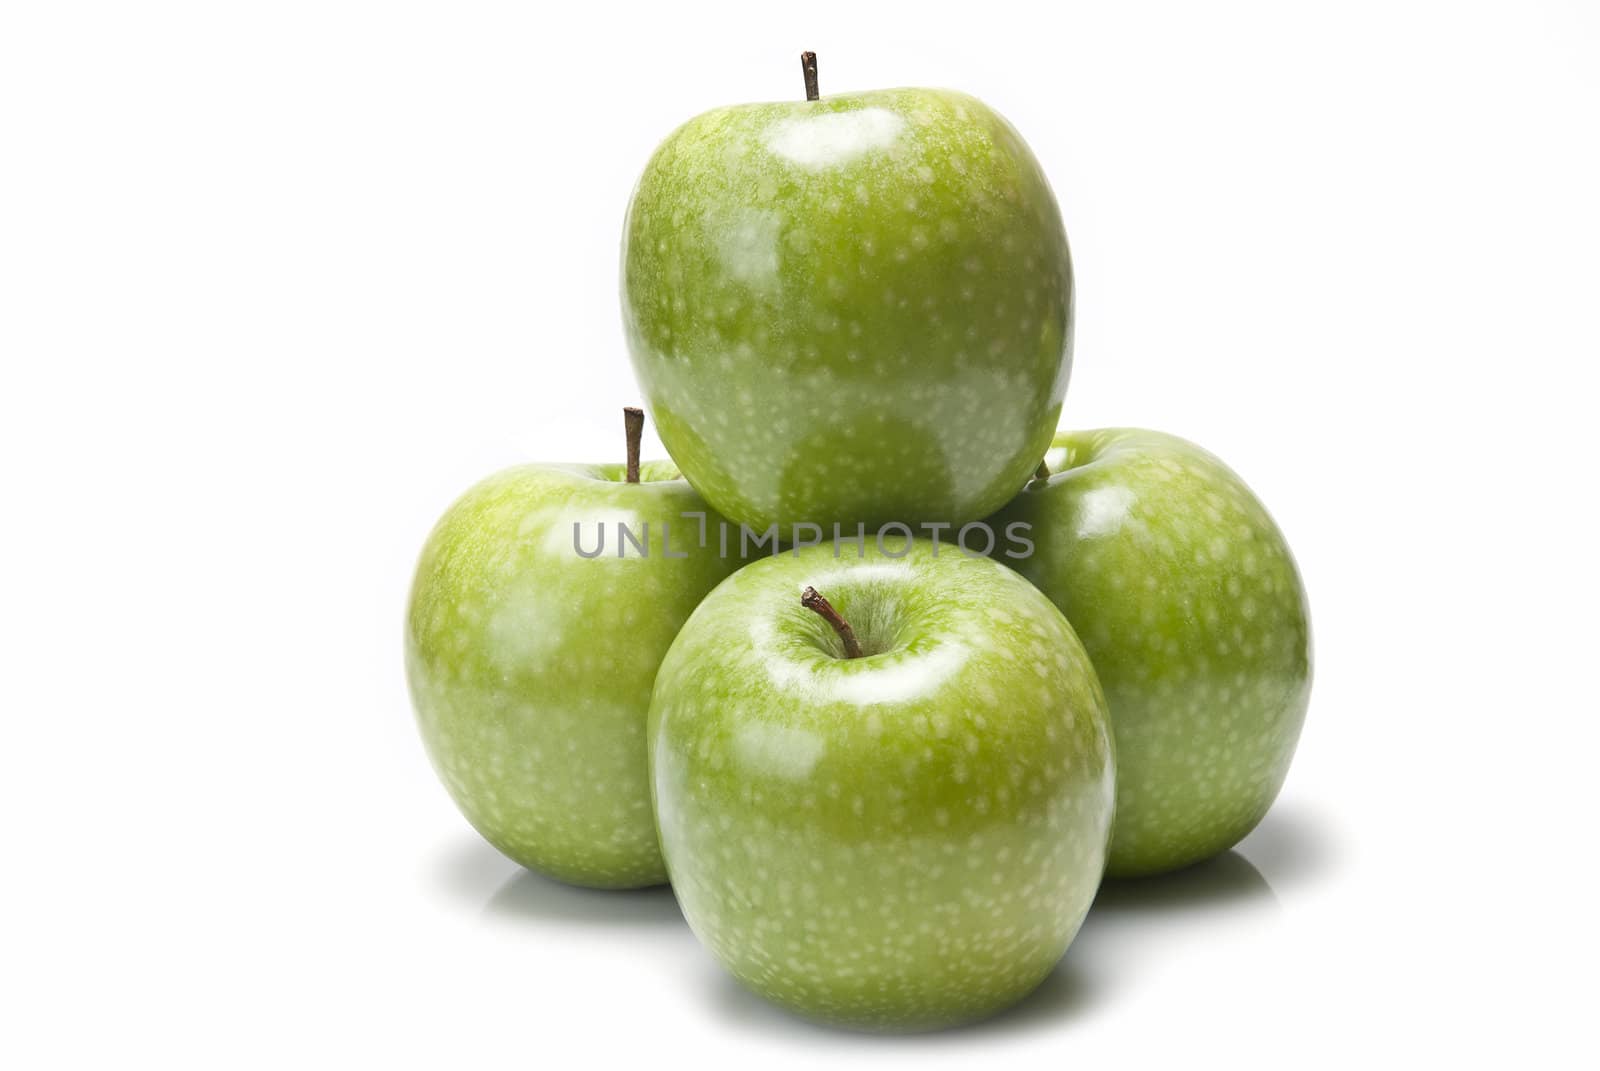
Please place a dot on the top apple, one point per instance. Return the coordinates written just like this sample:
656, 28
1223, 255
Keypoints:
850, 310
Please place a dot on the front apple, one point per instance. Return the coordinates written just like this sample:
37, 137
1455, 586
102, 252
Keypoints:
849, 310
1187, 598
902, 840
531, 648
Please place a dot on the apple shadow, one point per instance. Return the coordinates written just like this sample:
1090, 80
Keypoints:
528, 896
470, 870
1288, 848
474, 874
1096, 964
1291, 845
1227, 880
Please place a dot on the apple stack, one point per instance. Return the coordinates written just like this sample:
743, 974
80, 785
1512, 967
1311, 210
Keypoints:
883, 673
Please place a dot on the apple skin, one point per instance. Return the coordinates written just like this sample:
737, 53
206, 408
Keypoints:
902, 841
851, 310
530, 667
1185, 594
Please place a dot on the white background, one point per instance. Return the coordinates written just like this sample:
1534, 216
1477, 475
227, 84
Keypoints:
277, 281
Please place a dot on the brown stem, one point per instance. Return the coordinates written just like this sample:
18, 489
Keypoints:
811, 600
808, 67
633, 422
1042, 472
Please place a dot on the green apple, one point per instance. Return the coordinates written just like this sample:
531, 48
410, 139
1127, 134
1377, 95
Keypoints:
850, 310
531, 657
902, 840
1186, 596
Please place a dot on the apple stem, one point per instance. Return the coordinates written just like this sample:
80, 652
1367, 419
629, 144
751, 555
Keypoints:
808, 68
1042, 472
812, 600
633, 422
